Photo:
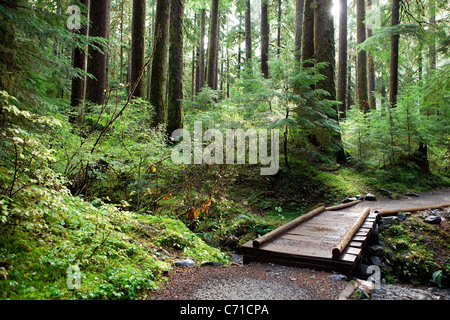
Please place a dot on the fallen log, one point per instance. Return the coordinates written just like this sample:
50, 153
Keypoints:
340, 247
286, 227
385, 212
343, 205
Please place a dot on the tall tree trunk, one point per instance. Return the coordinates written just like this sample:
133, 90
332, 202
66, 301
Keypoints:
264, 38
121, 41
216, 63
159, 63
393, 81
308, 33
363, 100
324, 48
248, 33
79, 84
371, 70
279, 28
201, 64
343, 56
432, 48
175, 84
299, 6
213, 46
138, 48
98, 60
324, 51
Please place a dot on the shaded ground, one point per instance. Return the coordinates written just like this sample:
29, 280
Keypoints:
268, 281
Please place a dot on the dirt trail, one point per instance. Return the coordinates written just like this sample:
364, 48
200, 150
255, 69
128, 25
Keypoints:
423, 199
269, 281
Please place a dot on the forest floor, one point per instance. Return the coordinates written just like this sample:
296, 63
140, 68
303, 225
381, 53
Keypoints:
268, 281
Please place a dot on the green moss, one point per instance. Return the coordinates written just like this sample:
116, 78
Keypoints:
116, 260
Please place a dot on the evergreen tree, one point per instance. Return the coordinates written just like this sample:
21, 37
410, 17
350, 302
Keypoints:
97, 85
138, 48
159, 63
175, 69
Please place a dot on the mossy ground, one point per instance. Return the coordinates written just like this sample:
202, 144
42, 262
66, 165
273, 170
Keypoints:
417, 251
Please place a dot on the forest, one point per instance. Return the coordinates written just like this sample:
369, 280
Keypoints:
93, 92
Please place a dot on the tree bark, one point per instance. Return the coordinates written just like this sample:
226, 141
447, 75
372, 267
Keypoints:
324, 51
343, 56
432, 48
79, 84
159, 63
299, 6
248, 33
395, 39
98, 60
138, 47
213, 46
201, 64
308, 33
175, 83
362, 56
371, 70
279, 28
264, 38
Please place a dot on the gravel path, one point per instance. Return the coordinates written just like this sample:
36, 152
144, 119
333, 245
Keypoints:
268, 281
423, 199
249, 282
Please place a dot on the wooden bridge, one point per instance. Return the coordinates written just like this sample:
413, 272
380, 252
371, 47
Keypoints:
325, 238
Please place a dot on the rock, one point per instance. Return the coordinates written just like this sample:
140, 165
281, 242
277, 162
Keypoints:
338, 277
185, 263
370, 197
433, 220
375, 260
386, 192
411, 194
386, 222
212, 264
402, 245
361, 271
375, 250
401, 216
347, 200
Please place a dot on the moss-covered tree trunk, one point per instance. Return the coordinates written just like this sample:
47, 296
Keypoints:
324, 51
371, 69
138, 48
299, 6
248, 33
175, 83
264, 38
201, 55
363, 100
79, 83
308, 32
98, 59
213, 45
159, 63
395, 38
343, 56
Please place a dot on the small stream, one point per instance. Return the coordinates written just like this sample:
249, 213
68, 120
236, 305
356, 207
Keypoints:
410, 292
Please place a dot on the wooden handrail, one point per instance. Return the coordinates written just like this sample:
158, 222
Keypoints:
288, 226
340, 247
